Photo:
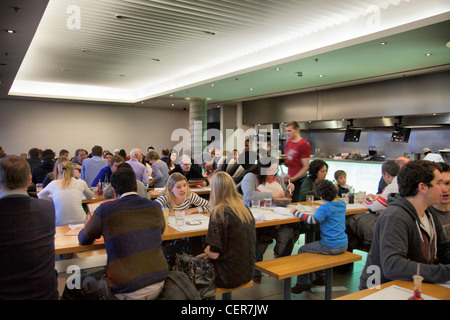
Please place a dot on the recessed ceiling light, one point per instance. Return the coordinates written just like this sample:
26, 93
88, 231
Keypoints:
277, 69
251, 89
10, 31
120, 16
428, 54
320, 75
383, 43
212, 84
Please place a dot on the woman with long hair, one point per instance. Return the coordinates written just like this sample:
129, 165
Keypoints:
173, 160
260, 183
231, 234
67, 193
317, 171
178, 196
55, 173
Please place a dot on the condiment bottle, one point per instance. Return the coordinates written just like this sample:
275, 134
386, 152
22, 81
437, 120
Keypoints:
417, 288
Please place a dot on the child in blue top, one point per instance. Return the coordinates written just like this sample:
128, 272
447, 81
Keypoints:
333, 239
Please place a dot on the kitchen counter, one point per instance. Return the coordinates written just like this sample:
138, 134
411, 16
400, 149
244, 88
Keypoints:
351, 160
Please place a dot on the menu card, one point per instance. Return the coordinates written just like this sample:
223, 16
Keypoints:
192, 222
394, 293
274, 213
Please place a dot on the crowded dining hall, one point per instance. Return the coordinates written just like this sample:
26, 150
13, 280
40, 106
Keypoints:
206, 150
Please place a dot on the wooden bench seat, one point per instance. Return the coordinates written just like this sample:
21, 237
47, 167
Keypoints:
226, 292
287, 267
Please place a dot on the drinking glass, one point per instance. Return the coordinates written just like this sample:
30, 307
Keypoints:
267, 203
38, 187
166, 215
179, 217
361, 196
309, 199
255, 204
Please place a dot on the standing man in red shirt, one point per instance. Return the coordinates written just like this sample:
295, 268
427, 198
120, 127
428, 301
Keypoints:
297, 152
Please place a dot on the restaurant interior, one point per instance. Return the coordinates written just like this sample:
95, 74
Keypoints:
127, 74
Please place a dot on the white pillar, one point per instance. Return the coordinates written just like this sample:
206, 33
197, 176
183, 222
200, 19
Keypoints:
198, 108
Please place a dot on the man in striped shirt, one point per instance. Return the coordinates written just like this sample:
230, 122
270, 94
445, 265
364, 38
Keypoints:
132, 227
389, 170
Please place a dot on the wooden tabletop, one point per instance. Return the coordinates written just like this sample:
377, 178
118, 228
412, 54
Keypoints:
432, 290
69, 244
351, 209
94, 199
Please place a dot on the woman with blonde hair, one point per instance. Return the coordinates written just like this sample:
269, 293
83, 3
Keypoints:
67, 193
178, 196
55, 173
231, 234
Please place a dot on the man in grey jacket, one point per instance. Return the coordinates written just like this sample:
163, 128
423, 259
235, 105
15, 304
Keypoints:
407, 232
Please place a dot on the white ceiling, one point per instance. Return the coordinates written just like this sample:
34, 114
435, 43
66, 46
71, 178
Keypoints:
131, 51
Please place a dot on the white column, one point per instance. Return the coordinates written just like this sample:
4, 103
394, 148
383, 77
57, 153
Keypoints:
197, 125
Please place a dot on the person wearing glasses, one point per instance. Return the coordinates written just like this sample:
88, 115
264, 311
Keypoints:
188, 170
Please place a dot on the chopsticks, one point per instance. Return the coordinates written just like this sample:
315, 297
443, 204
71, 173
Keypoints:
289, 188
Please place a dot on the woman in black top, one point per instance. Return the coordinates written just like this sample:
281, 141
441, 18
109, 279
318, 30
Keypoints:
231, 234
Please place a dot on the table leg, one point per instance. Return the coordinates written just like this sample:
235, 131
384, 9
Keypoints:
328, 283
226, 296
287, 289
309, 236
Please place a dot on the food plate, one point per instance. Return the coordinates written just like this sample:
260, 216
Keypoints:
282, 202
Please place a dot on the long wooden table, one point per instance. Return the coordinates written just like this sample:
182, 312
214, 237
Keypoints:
432, 290
69, 244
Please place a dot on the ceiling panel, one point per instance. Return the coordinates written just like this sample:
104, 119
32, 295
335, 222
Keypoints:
143, 51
